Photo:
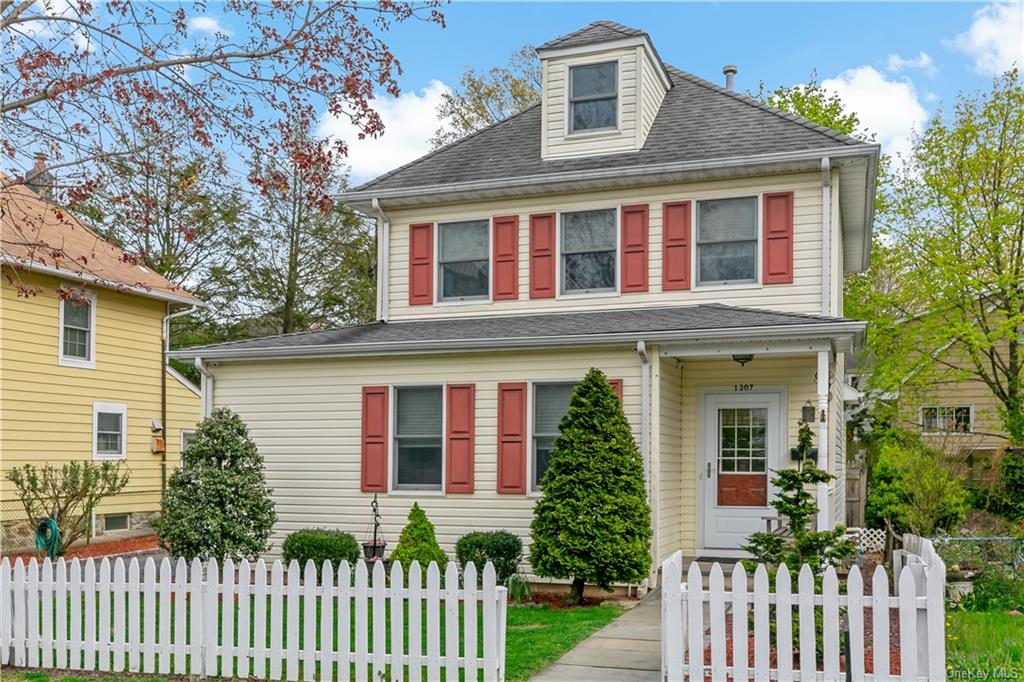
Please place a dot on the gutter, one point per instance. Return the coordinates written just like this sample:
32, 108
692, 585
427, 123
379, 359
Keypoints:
92, 279
853, 328
618, 175
383, 261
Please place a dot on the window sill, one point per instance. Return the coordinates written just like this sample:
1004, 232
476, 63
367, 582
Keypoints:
728, 287
75, 362
589, 134
414, 493
463, 301
109, 458
609, 293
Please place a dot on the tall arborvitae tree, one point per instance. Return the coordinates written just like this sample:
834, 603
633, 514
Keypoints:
593, 523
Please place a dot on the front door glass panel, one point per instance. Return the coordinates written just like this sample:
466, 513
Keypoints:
742, 457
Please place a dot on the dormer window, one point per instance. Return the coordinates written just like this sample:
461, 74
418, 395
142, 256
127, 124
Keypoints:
593, 97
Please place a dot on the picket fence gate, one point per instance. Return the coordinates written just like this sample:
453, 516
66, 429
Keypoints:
234, 623
920, 605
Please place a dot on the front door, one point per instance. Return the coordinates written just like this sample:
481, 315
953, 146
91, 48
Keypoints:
743, 439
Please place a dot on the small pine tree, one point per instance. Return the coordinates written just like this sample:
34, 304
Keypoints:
418, 542
218, 504
593, 523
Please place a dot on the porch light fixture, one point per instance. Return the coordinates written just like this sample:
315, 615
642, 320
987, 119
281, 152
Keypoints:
743, 359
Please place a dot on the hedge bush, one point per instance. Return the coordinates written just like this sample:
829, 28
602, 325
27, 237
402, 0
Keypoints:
319, 545
501, 548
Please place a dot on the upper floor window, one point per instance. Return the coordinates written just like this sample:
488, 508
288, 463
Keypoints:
77, 322
947, 419
727, 241
418, 450
593, 97
464, 260
550, 404
109, 424
588, 251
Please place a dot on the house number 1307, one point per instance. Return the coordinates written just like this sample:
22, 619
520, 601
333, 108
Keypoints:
743, 387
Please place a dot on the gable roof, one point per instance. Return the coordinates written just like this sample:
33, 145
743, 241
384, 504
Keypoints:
697, 121
38, 235
597, 32
573, 329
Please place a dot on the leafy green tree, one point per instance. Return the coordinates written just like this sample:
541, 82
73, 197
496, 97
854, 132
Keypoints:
300, 263
958, 245
814, 103
593, 523
418, 542
218, 504
483, 99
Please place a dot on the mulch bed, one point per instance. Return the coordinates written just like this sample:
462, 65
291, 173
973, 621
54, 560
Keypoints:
112, 548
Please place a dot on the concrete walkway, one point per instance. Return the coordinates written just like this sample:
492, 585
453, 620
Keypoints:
627, 650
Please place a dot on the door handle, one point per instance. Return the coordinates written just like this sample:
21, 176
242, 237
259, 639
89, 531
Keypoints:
709, 469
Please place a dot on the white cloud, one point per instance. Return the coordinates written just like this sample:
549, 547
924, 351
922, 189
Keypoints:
995, 39
410, 120
891, 109
207, 24
923, 61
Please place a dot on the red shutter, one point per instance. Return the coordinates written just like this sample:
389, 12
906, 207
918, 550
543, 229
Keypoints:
675, 249
617, 386
421, 264
506, 258
778, 238
374, 452
461, 437
542, 255
512, 438
634, 248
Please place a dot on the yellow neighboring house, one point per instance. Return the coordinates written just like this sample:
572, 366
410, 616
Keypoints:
82, 377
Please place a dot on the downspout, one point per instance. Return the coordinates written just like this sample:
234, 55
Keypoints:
645, 413
165, 332
825, 356
205, 389
826, 236
383, 247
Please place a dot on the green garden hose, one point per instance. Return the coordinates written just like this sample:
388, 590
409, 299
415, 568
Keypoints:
48, 538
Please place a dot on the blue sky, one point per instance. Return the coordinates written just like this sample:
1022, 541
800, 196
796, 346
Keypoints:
893, 63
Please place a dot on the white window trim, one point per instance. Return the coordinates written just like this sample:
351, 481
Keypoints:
114, 408
970, 429
560, 293
393, 488
63, 360
181, 442
571, 134
758, 282
438, 300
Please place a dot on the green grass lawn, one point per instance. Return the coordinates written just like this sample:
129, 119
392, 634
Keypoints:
536, 637
984, 643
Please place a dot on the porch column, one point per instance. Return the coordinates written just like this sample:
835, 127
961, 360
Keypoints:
824, 362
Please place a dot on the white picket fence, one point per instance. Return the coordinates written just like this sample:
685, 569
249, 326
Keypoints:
920, 606
234, 623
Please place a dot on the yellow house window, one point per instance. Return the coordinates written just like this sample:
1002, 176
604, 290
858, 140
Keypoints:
109, 425
77, 330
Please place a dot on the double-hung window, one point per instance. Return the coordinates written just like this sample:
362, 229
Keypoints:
464, 260
76, 328
727, 241
947, 419
588, 251
593, 97
109, 425
550, 404
418, 429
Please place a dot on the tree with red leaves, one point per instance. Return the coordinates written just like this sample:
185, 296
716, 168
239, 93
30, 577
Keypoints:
82, 79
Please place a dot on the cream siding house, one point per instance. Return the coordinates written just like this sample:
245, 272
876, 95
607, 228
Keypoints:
685, 239
82, 372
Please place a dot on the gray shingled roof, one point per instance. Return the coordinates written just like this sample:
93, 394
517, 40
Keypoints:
524, 328
698, 121
597, 32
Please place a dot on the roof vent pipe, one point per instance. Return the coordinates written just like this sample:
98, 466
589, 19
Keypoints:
730, 72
